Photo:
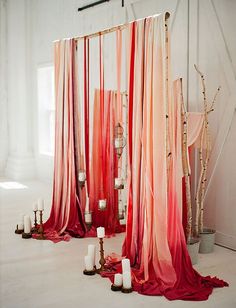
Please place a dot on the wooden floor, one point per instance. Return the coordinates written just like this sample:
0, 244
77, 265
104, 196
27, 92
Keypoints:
43, 274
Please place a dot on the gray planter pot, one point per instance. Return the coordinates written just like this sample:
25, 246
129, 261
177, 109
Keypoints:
207, 241
193, 249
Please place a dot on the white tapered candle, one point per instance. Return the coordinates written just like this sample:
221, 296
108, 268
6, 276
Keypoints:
35, 206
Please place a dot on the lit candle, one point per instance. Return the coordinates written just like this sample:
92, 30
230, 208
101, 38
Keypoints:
92, 252
125, 265
88, 263
35, 207
118, 280
100, 232
27, 224
102, 204
82, 176
127, 280
40, 204
88, 218
20, 226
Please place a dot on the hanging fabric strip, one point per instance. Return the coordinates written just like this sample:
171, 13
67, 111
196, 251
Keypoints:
66, 216
129, 224
86, 107
118, 71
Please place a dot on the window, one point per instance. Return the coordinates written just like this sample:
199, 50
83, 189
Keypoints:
46, 109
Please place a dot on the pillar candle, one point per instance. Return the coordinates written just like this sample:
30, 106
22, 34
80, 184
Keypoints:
125, 265
127, 280
118, 280
82, 176
100, 232
27, 224
35, 207
40, 204
88, 263
92, 252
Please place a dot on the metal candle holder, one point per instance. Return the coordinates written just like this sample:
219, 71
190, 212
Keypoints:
35, 228
40, 230
102, 259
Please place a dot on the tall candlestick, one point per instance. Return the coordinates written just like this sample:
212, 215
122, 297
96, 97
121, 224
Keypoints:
35, 228
102, 259
100, 232
40, 230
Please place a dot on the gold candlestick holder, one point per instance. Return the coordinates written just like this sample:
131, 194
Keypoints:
35, 228
102, 259
40, 230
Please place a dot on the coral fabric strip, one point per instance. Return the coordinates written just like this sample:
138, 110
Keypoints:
66, 215
155, 241
104, 164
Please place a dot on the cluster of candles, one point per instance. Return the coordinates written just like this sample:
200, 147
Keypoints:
24, 227
121, 281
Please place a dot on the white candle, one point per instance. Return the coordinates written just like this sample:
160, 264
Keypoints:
20, 226
102, 204
125, 265
27, 224
92, 252
118, 182
100, 232
82, 176
127, 280
88, 263
40, 204
88, 218
118, 280
35, 207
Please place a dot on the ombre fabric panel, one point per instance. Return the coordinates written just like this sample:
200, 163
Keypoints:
155, 241
66, 217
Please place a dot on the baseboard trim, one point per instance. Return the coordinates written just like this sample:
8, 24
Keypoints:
225, 240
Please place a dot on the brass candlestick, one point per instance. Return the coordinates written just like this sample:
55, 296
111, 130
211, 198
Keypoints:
35, 228
40, 230
102, 259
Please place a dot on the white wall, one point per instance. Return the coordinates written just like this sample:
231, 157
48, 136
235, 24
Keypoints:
214, 46
202, 32
3, 87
